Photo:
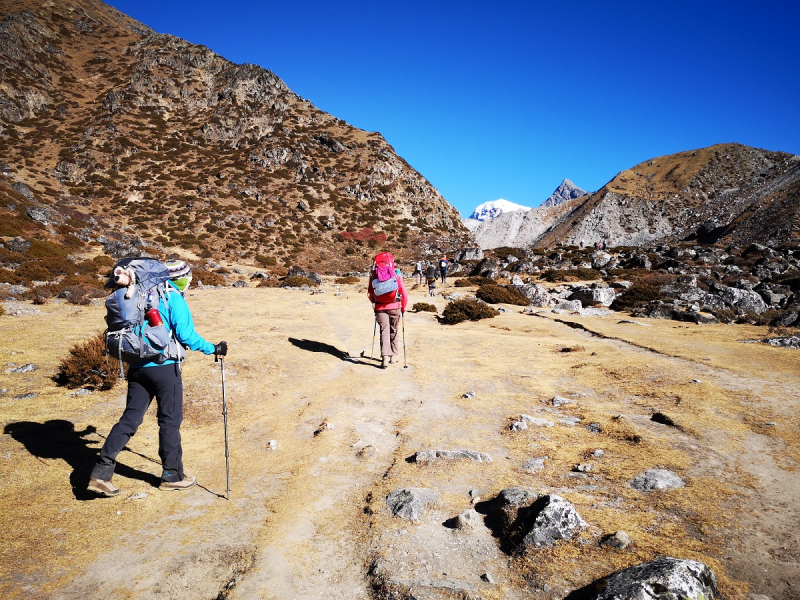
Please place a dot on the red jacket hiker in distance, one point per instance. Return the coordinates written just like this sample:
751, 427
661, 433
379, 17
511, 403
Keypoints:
387, 314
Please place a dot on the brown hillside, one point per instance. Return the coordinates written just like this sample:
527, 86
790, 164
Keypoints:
728, 192
134, 133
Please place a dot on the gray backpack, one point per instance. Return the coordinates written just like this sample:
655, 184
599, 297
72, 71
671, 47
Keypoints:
129, 337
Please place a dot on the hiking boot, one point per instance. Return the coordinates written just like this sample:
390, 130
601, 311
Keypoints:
184, 484
391, 360
384, 361
103, 488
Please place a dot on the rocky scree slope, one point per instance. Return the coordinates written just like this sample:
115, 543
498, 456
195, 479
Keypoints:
728, 193
130, 133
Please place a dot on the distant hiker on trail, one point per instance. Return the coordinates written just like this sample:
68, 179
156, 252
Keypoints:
156, 310
443, 264
418, 272
430, 277
389, 298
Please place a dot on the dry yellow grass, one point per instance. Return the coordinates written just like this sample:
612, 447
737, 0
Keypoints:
310, 517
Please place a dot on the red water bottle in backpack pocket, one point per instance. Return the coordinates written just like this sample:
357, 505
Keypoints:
153, 317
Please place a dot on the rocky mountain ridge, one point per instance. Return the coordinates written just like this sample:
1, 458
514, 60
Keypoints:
143, 137
727, 193
565, 191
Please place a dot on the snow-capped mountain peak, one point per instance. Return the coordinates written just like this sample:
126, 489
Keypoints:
495, 208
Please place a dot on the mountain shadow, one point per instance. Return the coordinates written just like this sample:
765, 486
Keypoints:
57, 439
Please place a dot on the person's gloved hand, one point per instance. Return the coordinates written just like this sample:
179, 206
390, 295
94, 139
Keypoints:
221, 349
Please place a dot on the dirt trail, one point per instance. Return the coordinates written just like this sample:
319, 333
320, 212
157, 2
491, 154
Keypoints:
308, 519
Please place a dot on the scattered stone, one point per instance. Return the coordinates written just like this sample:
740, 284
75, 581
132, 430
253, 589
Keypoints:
82, 392
426, 456
474, 493
618, 539
784, 342
560, 401
594, 428
139, 496
671, 577
569, 421
26, 396
628, 321
468, 519
324, 426
552, 518
367, 451
536, 421
468, 395
598, 453
534, 465
695, 381
273, 445
519, 426
582, 468
409, 503
657, 479
487, 577
24, 368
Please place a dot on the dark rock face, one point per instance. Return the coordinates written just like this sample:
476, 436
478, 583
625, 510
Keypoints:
661, 579
298, 272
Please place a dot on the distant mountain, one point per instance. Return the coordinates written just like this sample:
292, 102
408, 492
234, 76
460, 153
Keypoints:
565, 191
728, 193
123, 134
495, 208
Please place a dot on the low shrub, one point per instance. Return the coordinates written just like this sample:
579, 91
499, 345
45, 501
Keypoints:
297, 281
268, 283
207, 277
350, 279
495, 294
88, 366
424, 307
467, 309
643, 291
472, 281
267, 261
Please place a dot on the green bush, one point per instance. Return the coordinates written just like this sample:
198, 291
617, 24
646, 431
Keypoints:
297, 281
424, 307
495, 294
88, 366
467, 309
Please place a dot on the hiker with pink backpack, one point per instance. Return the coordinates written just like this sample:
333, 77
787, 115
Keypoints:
389, 299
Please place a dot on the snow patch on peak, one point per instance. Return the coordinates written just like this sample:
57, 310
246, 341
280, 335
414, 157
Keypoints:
491, 210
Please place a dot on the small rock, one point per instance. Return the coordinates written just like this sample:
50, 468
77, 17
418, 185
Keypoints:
618, 539
273, 445
26, 396
656, 479
569, 421
25, 368
582, 468
409, 503
139, 496
426, 456
593, 428
560, 401
468, 519
536, 421
487, 577
469, 395
695, 381
554, 518
82, 392
598, 453
534, 465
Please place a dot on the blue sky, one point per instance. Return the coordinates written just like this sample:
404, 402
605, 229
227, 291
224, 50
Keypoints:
504, 99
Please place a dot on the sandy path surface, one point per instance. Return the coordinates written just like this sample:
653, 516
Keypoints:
309, 520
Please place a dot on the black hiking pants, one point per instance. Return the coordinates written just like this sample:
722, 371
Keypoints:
164, 383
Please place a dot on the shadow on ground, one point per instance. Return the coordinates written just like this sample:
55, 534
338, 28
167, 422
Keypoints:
57, 439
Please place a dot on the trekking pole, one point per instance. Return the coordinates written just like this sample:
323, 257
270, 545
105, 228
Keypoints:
374, 329
403, 320
225, 425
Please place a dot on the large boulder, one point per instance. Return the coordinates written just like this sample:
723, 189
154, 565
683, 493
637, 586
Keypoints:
656, 479
594, 295
661, 579
552, 518
468, 254
746, 300
534, 292
488, 267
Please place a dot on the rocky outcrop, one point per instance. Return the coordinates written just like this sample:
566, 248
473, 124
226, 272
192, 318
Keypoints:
660, 578
565, 191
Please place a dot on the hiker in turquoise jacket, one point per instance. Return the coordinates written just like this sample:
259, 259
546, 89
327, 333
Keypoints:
162, 381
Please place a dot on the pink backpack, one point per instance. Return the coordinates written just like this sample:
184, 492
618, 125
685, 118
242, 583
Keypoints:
384, 279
